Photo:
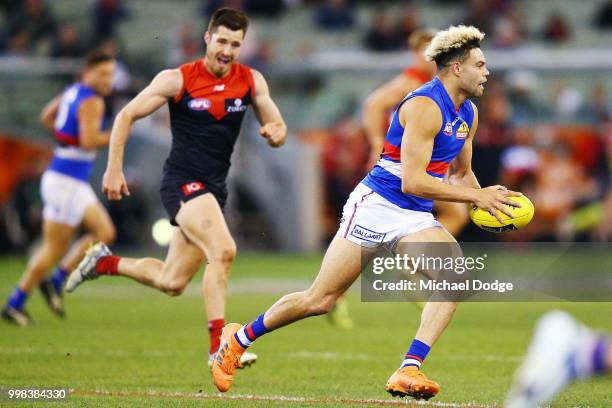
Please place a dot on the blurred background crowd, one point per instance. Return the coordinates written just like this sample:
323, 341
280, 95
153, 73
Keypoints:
545, 118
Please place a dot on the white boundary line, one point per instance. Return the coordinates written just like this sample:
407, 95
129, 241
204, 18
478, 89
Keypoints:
276, 398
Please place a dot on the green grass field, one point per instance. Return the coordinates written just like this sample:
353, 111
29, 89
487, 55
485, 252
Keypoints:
126, 345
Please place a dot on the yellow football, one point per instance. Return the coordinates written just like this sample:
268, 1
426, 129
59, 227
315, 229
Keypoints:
521, 216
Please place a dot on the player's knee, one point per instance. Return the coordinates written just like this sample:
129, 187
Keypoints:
172, 287
108, 235
226, 253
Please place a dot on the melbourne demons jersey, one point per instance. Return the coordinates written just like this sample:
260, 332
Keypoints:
68, 157
386, 177
205, 119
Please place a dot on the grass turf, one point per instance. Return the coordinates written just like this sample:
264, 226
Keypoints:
125, 345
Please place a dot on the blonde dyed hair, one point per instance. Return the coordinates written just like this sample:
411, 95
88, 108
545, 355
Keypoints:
453, 39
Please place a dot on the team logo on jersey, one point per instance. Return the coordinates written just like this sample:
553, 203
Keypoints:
463, 131
367, 235
235, 105
192, 187
448, 129
199, 104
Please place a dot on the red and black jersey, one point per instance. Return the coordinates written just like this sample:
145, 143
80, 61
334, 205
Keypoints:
205, 119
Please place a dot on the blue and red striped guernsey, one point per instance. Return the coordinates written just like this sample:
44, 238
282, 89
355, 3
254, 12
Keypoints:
386, 177
69, 158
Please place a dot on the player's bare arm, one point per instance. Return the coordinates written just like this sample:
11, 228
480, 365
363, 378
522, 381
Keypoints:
415, 157
167, 84
461, 172
49, 112
90, 114
273, 126
381, 101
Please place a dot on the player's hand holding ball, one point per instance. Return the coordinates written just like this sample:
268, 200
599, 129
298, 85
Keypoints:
114, 184
498, 209
275, 133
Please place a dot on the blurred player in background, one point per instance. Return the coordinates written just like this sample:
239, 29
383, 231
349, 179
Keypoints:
208, 99
453, 216
76, 118
430, 128
562, 351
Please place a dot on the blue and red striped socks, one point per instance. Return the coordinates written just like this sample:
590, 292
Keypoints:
250, 332
590, 360
416, 354
59, 277
599, 355
17, 299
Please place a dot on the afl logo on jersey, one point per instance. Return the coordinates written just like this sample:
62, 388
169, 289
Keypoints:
463, 131
448, 129
234, 105
199, 104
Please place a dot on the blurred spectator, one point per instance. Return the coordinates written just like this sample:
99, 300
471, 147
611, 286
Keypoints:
522, 86
603, 18
32, 20
598, 109
479, 14
334, 15
410, 20
381, 36
210, 6
264, 57
9, 7
267, 8
493, 133
122, 79
509, 29
67, 42
18, 46
567, 101
557, 28
520, 161
186, 45
106, 16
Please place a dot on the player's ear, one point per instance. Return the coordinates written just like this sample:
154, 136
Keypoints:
207, 37
456, 67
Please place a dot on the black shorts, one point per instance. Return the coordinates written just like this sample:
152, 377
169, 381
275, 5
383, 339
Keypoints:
177, 188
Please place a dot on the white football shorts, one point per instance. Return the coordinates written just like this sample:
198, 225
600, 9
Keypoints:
371, 221
65, 199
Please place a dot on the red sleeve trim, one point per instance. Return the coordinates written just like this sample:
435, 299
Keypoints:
184, 72
249, 75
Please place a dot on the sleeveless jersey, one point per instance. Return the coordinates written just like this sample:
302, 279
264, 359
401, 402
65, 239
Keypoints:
205, 121
68, 157
385, 177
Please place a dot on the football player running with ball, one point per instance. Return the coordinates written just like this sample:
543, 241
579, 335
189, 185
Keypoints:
431, 127
208, 99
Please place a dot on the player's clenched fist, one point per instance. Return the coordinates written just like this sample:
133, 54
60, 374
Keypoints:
495, 198
275, 133
114, 184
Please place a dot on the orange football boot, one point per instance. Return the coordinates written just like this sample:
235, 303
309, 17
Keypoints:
410, 381
227, 358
